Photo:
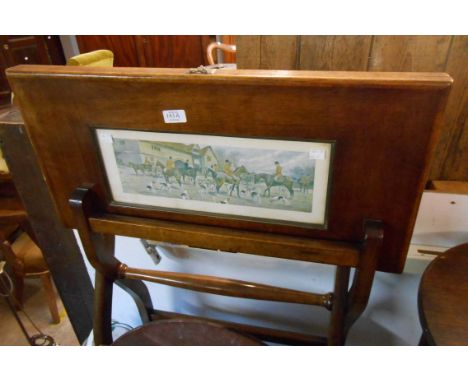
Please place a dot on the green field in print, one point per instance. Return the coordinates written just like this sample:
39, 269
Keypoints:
266, 178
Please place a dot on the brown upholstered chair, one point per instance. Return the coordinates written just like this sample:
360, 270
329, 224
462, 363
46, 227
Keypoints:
26, 260
95, 58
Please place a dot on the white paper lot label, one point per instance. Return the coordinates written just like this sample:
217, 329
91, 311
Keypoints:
174, 116
317, 154
105, 137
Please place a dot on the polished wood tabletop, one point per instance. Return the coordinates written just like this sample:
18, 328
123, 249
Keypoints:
443, 299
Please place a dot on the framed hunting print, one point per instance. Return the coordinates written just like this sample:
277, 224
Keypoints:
274, 181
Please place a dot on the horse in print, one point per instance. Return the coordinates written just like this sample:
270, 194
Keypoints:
173, 173
159, 168
306, 183
273, 181
186, 171
220, 178
141, 167
244, 175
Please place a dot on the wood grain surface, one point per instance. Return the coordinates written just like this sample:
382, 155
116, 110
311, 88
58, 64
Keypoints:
229, 240
443, 306
248, 52
334, 52
409, 53
269, 46
451, 157
383, 53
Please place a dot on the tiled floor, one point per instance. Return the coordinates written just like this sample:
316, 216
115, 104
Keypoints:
35, 305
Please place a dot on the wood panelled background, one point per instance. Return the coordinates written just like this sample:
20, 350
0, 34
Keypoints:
380, 53
16, 50
151, 51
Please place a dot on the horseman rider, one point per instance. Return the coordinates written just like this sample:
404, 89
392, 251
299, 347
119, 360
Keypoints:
278, 171
169, 164
228, 168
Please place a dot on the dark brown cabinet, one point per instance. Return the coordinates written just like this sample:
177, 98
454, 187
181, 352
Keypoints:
4, 87
15, 50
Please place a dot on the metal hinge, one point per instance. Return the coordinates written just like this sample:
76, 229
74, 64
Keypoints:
208, 69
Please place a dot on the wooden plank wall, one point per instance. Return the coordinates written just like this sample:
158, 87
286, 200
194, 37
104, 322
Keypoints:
380, 53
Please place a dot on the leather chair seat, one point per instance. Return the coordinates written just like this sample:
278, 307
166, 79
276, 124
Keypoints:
183, 332
29, 254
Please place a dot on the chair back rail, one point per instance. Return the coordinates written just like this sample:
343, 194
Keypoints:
228, 287
229, 240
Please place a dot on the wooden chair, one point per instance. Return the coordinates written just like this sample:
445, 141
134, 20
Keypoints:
17, 245
442, 299
211, 49
26, 261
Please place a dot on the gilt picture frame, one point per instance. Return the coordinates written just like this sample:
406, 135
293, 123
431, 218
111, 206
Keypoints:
267, 180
